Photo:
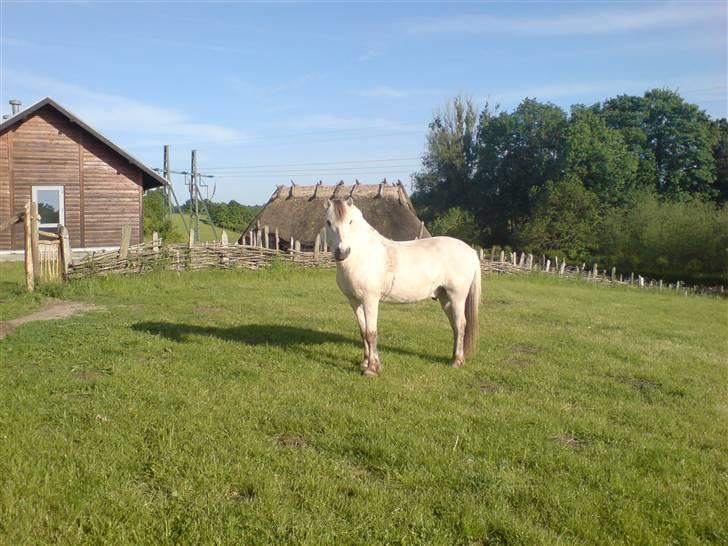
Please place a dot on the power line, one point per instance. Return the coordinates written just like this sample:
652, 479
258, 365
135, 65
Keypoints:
329, 163
366, 168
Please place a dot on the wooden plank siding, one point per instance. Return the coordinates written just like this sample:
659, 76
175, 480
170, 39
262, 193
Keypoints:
5, 194
102, 190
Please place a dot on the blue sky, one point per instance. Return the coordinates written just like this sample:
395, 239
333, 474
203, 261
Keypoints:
307, 91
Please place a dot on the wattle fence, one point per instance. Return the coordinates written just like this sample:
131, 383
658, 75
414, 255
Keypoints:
155, 255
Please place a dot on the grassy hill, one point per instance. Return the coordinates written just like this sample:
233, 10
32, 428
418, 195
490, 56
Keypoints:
228, 407
206, 233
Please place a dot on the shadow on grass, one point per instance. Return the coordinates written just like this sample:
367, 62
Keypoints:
265, 334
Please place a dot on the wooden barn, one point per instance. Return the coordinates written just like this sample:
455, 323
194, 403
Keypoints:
297, 212
78, 177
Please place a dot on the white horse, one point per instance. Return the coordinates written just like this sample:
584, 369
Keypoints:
371, 268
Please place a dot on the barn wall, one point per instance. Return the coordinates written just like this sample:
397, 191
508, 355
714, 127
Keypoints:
45, 153
112, 190
102, 190
5, 208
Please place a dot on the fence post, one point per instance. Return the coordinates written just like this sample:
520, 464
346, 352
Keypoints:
35, 253
548, 265
561, 269
28, 243
64, 250
266, 232
224, 238
316, 245
191, 239
502, 256
480, 254
125, 240
530, 261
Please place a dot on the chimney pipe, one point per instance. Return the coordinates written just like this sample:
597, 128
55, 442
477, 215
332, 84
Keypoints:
15, 105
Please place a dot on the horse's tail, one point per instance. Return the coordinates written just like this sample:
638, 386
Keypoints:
472, 302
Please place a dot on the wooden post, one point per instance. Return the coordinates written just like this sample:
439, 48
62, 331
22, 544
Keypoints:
35, 253
224, 238
28, 244
125, 240
298, 247
480, 254
631, 278
325, 240
258, 233
530, 261
522, 261
266, 232
155, 242
548, 265
556, 263
561, 269
595, 271
513, 257
191, 240
492, 253
64, 250
277, 240
502, 256
642, 281
316, 245
614, 273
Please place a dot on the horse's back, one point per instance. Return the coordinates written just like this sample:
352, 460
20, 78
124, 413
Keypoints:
423, 266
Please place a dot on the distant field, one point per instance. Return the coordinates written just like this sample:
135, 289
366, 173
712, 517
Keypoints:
206, 234
227, 407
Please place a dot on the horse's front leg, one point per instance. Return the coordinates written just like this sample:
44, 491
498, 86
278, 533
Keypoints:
371, 312
358, 308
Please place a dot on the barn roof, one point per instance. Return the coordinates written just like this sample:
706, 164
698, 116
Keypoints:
150, 179
298, 211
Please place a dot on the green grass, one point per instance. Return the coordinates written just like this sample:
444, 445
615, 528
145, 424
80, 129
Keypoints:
206, 233
227, 407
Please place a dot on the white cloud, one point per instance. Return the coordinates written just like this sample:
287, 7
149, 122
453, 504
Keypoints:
113, 113
596, 22
382, 91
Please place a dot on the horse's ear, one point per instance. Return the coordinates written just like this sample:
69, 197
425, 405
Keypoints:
327, 203
350, 202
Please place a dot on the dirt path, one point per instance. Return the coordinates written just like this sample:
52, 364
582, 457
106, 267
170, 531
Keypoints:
52, 310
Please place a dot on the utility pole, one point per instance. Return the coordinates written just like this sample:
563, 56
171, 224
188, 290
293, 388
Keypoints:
168, 177
195, 194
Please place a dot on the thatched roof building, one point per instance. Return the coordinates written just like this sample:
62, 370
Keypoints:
298, 212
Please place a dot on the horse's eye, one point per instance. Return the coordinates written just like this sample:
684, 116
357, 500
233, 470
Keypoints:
350, 221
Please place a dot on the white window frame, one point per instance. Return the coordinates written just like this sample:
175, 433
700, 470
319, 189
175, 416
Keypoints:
61, 204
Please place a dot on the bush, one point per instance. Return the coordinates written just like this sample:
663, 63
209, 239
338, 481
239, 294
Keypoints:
686, 239
458, 223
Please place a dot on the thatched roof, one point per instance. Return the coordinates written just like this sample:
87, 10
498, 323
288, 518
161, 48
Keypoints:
298, 211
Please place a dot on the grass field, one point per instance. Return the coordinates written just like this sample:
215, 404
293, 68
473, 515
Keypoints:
206, 233
228, 408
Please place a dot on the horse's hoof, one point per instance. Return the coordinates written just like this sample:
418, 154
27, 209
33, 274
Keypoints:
364, 364
457, 362
369, 372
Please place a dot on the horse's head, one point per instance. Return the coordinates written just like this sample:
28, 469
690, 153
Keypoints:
342, 221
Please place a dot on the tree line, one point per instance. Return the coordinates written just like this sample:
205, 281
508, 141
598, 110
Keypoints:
635, 182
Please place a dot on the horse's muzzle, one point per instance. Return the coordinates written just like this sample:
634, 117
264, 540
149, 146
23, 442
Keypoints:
341, 256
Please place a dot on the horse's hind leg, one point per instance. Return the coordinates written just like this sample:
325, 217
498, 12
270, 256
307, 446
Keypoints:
358, 308
371, 313
454, 308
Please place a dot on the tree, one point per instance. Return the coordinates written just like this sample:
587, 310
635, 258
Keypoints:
720, 155
599, 157
673, 139
448, 164
516, 152
565, 219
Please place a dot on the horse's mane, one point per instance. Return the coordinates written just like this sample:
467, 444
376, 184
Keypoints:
339, 208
